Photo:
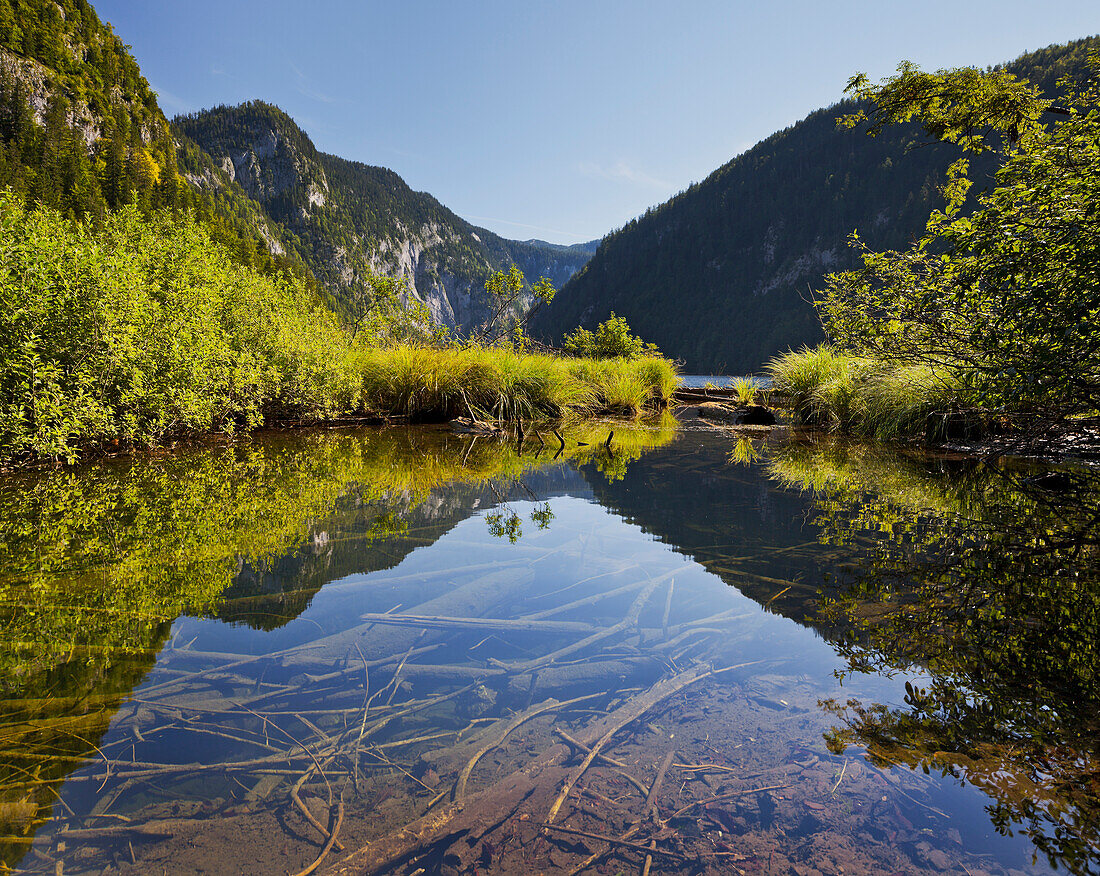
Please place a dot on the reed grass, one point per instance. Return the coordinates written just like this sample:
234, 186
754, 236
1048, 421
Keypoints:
427, 383
840, 392
745, 389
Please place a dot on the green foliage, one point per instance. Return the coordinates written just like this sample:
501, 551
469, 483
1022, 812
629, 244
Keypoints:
512, 301
745, 388
718, 276
147, 328
611, 338
840, 392
964, 106
501, 383
380, 309
989, 589
1005, 299
102, 143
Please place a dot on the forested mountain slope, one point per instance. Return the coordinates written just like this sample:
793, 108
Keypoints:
346, 219
81, 131
722, 275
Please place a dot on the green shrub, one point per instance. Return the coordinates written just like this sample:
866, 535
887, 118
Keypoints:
147, 328
612, 338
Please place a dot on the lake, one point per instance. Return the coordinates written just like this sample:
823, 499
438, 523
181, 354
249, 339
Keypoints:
409, 651
698, 381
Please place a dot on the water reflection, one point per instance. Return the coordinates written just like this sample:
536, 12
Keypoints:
986, 580
96, 563
242, 658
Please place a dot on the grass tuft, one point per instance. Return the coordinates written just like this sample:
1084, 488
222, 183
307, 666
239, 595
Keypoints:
845, 393
497, 383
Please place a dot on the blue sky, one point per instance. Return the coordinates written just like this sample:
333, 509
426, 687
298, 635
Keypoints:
559, 120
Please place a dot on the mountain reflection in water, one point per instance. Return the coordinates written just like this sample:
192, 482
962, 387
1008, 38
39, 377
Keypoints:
216, 661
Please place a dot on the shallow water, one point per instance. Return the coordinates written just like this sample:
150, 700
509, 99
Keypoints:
200, 648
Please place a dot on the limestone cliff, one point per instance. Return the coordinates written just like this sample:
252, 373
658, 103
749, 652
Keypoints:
346, 219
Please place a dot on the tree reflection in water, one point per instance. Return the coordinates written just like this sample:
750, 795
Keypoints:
97, 561
984, 581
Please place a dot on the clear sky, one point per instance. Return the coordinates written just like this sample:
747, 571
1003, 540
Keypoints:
559, 120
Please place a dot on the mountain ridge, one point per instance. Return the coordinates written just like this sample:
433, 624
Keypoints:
346, 219
722, 275
81, 131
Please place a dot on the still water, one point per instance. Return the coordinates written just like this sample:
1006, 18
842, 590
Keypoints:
413, 652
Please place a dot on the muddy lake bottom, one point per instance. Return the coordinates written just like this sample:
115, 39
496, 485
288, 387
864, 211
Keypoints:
607, 665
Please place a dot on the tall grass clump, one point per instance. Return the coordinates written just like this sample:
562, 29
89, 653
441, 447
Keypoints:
660, 375
908, 401
500, 383
745, 390
822, 386
840, 392
429, 383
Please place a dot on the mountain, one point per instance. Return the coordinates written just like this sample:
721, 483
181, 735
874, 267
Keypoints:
722, 275
589, 247
346, 219
81, 131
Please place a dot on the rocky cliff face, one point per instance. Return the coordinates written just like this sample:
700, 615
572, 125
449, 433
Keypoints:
346, 219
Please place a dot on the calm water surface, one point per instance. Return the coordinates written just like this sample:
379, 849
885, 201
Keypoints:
835, 659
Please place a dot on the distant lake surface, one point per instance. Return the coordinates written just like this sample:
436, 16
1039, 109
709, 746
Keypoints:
808, 657
697, 381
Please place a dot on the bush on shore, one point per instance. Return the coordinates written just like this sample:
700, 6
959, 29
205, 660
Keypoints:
147, 329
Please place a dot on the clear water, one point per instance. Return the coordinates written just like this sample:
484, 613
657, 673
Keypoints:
903, 653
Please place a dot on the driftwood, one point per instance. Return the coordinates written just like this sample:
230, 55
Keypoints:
626, 623
497, 734
649, 850
626, 714
651, 807
621, 768
469, 600
469, 819
479, 623
328, 846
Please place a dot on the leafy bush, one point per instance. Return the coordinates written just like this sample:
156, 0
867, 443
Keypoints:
1007, 294
148, 328
611, 338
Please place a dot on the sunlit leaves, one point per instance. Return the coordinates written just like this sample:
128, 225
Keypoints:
1008, 297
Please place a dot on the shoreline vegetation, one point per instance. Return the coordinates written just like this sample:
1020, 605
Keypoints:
146, 330
857, 395
986, 327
